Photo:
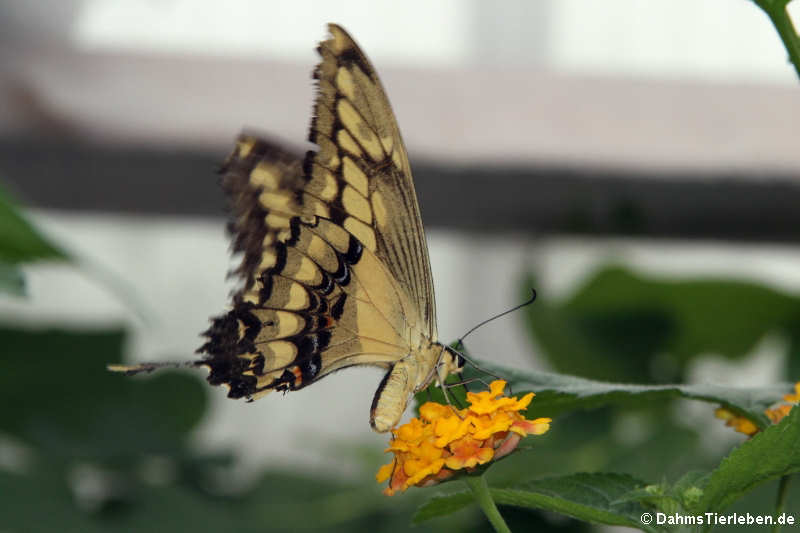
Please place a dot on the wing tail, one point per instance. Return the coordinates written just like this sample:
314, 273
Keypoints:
131, 370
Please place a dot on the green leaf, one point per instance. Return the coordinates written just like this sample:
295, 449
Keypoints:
591, 497
770, 454
594, 498
619, 323
11, 280
456, 394
677, 498
442, 505
558, 393
56, 394
46, 501
20, 242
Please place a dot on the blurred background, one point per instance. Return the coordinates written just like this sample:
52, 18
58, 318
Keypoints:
635, 162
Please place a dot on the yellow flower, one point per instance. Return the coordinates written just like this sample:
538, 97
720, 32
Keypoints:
775, 414
487, 426
432, 411
468, 452
738, 423
384, 472
451, 428
537, 426
485, 402
429, 449
793, 398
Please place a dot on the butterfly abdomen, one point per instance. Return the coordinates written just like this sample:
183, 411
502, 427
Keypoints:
391, 398
408, 376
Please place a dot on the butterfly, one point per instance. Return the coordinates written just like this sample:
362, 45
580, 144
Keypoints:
335, 266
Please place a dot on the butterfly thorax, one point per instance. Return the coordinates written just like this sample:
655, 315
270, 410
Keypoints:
408, 376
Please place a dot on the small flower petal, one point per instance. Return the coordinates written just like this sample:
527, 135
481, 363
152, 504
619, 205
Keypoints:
723, 414
500, 422
507, 446
449, 429
793, 398
531, 427
432, 411
411, 431
425, 471
523, 403
384, 472
776, 414
738, 423
468, 452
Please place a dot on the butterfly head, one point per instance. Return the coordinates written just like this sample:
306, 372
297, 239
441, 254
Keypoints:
450, 362
457, 358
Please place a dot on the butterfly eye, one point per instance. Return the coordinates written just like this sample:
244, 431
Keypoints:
456, 357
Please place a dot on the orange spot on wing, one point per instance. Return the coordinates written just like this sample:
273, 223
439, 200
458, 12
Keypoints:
298, 376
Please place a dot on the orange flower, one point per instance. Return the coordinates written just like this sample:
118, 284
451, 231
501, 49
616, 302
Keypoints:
775, 414
793, 398
738, 423
429, 449
486, 401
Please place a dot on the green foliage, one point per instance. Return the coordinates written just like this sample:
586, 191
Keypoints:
74, 408
443, 505
11, 280
558, 393
103, 452
769, 455
19, 240
597, 498
19, 243
616, 499
618, 324
779, 16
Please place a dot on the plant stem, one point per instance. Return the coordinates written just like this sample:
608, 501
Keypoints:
783, 490
776, 11
479, 488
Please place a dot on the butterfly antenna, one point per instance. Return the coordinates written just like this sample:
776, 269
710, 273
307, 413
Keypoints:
479, 368
460, 341
495, 317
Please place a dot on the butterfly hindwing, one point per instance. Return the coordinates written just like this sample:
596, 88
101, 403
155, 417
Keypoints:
314, 298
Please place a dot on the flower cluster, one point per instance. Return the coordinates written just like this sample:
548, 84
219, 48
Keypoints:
443, 439
775, 414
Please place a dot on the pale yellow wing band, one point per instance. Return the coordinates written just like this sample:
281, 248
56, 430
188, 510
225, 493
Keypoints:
363, 166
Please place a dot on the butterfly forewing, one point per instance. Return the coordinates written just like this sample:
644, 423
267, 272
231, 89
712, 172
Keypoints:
360, 147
